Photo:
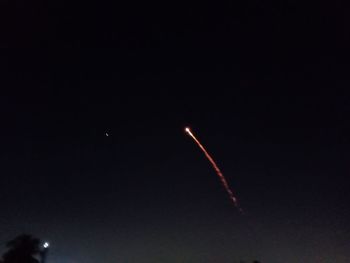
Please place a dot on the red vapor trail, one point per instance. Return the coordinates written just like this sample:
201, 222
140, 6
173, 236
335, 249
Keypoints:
217, 170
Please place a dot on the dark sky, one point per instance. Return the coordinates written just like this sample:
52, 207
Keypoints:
264, 85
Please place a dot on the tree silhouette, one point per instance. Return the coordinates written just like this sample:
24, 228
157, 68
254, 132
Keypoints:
22, 249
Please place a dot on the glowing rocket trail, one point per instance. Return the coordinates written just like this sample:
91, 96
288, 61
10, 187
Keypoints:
216, 168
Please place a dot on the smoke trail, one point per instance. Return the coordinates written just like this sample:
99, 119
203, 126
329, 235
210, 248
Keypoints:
217, 170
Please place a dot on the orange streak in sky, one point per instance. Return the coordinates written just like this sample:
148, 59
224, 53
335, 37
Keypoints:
216, 168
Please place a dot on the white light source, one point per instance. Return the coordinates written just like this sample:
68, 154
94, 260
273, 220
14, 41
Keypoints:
46, 245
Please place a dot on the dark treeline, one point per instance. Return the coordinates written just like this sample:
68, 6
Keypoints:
28, 249
24, 249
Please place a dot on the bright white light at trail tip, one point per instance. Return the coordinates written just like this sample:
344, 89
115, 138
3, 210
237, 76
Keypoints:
46, 245
187, 129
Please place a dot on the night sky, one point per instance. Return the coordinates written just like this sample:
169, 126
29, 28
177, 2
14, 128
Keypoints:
263, 85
